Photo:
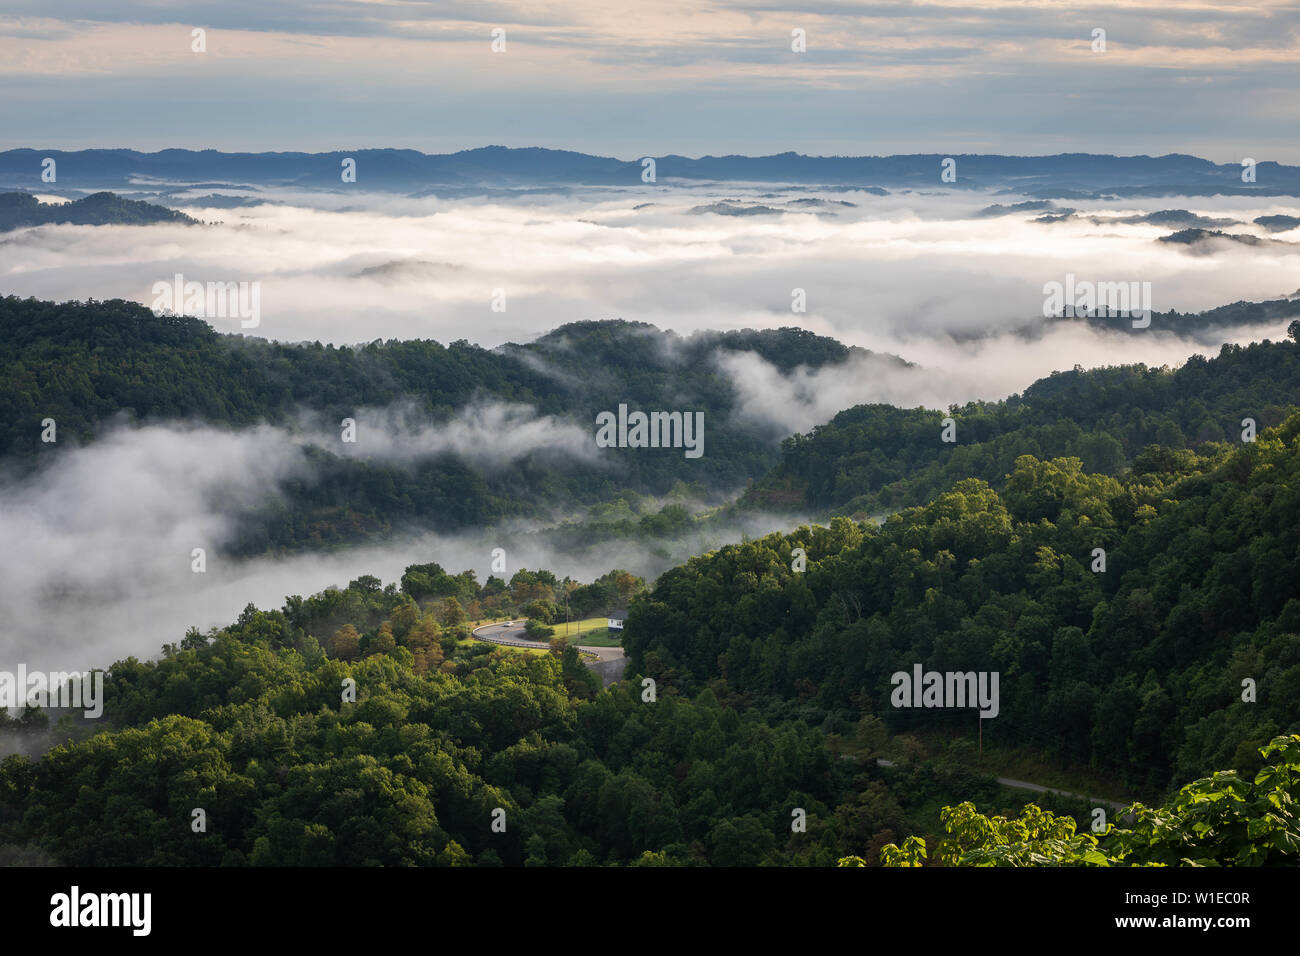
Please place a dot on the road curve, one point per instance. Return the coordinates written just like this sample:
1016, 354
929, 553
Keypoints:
1035, 787
608, 663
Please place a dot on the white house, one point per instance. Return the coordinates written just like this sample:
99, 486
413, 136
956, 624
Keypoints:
616, 621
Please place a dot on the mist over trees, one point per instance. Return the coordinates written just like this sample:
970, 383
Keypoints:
873, 459
1112, 543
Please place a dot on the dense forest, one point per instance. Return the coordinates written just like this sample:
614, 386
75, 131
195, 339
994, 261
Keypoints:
772, 698
1226, 819
249, 724
85, 363
91, 365
1134, 666
1113, 544
873, 459
1233, 315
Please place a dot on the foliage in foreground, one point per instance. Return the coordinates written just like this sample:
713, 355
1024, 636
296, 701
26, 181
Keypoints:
1221, 820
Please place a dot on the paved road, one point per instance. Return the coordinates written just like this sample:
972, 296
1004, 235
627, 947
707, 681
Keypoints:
1036, 787
609, 662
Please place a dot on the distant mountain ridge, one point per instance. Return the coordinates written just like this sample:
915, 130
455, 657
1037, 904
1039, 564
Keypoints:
1066, 175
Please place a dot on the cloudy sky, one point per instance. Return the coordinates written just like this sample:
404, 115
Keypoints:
1216, 79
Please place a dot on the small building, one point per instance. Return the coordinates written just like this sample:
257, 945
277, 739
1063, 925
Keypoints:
616, 621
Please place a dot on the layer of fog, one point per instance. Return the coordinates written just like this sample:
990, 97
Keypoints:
100, 564
99, 556
946, 372
487, 434
884, 274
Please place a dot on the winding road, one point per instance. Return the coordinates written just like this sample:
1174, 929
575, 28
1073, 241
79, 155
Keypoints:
609, 662
1037, 788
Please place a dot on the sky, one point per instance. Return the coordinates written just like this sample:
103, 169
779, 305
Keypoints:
1214, 79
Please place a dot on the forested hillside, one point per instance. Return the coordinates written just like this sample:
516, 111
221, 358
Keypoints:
874, 459
250, 725
92, 365
88, 365
772, 696
1137, 669
20, 209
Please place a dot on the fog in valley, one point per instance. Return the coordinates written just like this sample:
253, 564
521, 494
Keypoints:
98, 563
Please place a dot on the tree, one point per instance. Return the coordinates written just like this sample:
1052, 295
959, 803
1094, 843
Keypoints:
367, 583
427, 660
538, 631
405, 615
627, 585
383, 642
346, 644
542, 610
452, 614
425, 634
453, 854
535, 851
